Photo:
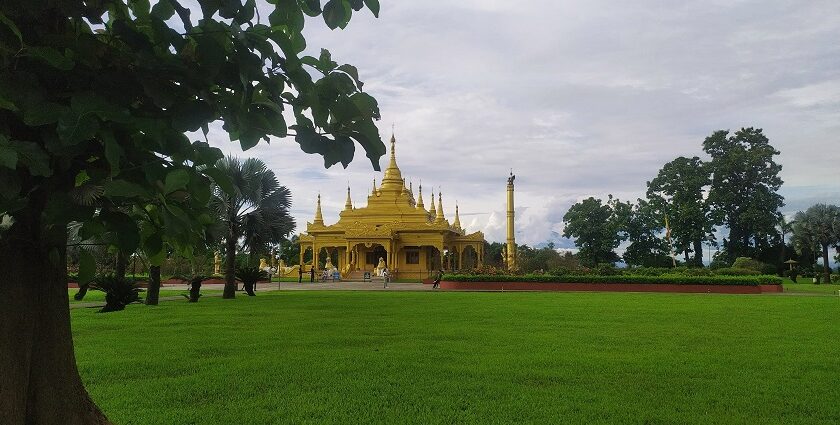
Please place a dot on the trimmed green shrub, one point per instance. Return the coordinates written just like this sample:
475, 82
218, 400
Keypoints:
748, 264
118, 292
667, 279
249, 277
733, 271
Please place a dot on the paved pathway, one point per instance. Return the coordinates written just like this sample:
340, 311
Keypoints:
285, 286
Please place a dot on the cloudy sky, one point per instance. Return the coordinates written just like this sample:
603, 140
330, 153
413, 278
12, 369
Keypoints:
579, 98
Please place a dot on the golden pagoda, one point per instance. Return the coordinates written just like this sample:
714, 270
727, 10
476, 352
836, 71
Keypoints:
394, 230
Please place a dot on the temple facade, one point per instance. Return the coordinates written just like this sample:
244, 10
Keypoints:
393, 230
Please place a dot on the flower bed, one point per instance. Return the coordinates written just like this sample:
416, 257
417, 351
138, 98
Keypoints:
663, 279
621, 283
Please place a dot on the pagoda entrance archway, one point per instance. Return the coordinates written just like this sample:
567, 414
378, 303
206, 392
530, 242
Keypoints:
306, 256
469, 258
365, 256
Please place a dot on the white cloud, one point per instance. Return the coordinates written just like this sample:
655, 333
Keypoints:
578, 98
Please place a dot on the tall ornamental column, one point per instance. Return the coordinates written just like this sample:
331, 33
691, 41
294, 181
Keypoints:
511, 240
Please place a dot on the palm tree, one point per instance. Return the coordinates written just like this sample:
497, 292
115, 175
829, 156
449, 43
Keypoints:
819, 226
785, 227
257, 211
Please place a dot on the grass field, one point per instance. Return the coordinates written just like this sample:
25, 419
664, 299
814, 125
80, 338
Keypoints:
99, 296
440, 357
804, 285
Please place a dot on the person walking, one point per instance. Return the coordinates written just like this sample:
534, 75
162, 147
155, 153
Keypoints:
300, 274
312, 274
436, 282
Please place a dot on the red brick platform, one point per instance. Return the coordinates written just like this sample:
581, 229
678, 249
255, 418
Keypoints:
608, 287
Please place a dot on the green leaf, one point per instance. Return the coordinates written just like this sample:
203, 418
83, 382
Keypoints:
52, 57
153, 244
163, 10
340, 150
310, 7
88, 103
367, 105
33, 157
352, 72
367, 134
190, 115
204, 154
74, 127
7, 105
113, 151
12, 27
176, 180
87, 267
337, 14
373, 5
287, 13
124, 228
221, 179
8, 155
125, 189
37, 113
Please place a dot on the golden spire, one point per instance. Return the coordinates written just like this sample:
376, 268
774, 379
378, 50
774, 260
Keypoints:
439, 216
420, 205
373, 192
348, 205
432, 207
319, 219
393, 177
457, 223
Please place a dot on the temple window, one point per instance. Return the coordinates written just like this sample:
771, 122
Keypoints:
412, 257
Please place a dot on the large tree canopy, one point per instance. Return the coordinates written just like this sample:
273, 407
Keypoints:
677, 192
818, 227
744, 191
595, 227
96, 97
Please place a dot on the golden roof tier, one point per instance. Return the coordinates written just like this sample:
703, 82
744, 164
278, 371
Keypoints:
411, 242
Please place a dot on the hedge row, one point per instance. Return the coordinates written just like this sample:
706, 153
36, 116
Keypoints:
669, 279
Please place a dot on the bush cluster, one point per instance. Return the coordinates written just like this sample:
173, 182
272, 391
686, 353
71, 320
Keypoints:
623, 278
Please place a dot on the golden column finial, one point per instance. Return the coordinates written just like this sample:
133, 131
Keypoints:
348, 204
420, 205
432, 212
457, 223
319, 218
439, 217
510, 259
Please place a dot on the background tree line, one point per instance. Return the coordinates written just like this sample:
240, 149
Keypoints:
736, 189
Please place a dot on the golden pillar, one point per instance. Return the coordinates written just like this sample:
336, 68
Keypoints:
511, 240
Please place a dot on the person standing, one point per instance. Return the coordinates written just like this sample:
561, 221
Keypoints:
312, 274
385, 276
300, 274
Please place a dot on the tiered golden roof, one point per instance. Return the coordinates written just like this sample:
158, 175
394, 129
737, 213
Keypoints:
395, 222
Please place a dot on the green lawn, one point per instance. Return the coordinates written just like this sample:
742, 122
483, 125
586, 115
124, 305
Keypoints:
466, 357
99, 296
804, 285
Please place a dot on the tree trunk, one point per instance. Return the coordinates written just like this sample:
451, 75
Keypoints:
230, 263
782, 258
122, 264
39, 382
685, 253
826, 267
698, 253
153, 291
